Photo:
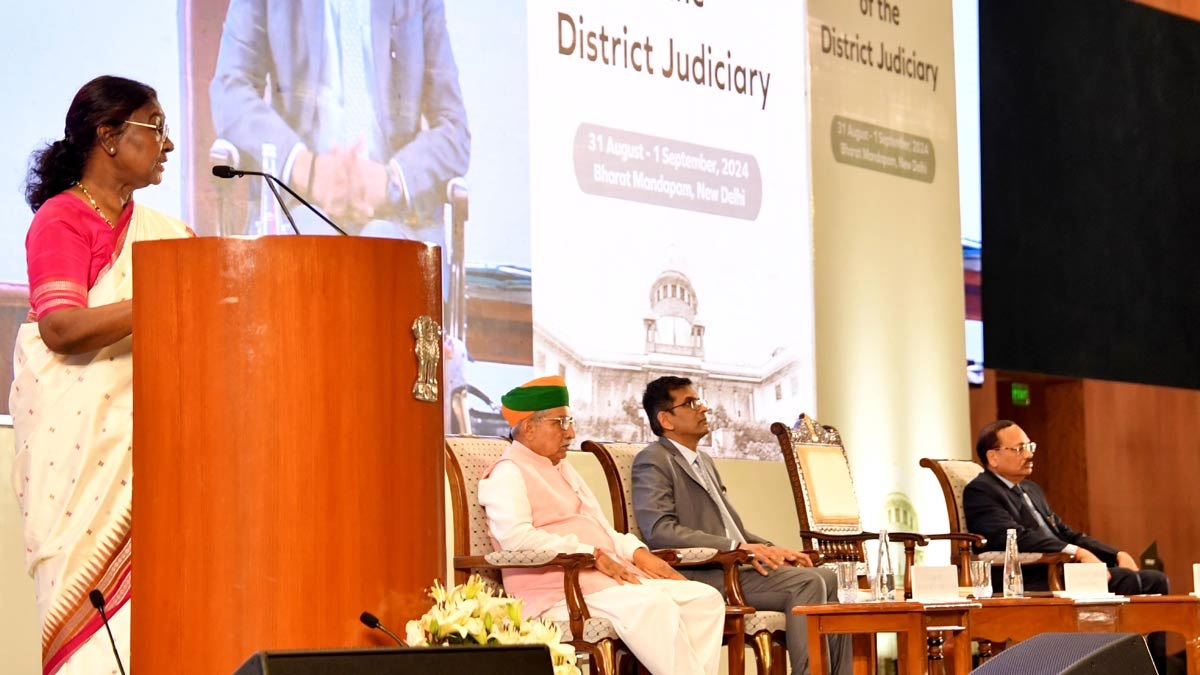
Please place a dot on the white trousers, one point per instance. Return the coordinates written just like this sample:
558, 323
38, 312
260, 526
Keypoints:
672, 627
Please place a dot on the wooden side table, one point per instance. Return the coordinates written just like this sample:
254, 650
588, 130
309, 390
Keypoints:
1171, 613
911, 621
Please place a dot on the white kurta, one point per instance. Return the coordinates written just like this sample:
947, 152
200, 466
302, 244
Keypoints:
687, 615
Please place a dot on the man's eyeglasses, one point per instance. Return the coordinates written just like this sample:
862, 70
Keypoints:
1021, 448
693, 403
564, 423
161, 131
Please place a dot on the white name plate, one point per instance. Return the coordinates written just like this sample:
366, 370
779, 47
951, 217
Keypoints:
1085, 580
935, 583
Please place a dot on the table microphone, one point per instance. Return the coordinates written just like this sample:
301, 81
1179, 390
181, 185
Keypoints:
371, 621
223, 171
98, 602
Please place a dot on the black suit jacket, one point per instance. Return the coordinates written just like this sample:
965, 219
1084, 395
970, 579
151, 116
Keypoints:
992, 508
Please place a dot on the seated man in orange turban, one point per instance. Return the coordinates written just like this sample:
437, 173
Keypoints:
536, 501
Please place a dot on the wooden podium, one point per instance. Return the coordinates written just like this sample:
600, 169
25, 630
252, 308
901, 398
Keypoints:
288, 478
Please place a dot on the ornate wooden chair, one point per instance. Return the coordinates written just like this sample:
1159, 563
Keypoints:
467, 457
765, 629
953, 475
826, 504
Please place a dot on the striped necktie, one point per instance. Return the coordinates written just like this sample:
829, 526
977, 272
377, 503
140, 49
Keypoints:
1045, 527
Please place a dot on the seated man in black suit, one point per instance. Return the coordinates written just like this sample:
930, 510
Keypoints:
1002, 497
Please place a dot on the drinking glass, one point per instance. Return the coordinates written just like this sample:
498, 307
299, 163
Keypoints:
847, 577
981, 578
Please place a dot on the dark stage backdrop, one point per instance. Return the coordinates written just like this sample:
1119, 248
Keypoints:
1090, 148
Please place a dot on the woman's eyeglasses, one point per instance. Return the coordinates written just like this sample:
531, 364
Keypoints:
161, 131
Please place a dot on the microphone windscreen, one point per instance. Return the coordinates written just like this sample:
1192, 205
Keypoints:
369, 620
97, 598
222, 171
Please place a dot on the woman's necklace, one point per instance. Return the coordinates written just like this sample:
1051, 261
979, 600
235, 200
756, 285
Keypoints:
93, 203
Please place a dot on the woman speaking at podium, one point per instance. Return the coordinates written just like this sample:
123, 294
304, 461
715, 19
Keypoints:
72, 394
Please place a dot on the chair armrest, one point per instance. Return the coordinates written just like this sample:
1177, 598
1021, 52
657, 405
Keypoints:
850, 538
966, 537
1054, 569
499, 560
695, 555
964, 542
1053, 562
729, 562
1027, 558
906, 537
671, 556
739, 610
572, 564
1052, 558
901, 537
910, 540
711, 557
522, 558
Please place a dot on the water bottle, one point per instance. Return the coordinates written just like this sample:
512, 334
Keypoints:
1014, 583
883, 586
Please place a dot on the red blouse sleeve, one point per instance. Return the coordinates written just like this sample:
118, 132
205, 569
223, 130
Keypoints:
58, 253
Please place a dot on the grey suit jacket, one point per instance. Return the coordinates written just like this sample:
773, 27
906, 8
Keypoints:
673, 508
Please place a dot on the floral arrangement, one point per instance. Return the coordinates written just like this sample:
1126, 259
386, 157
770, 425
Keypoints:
476, 613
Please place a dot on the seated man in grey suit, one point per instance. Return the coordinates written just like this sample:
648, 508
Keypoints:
680, 501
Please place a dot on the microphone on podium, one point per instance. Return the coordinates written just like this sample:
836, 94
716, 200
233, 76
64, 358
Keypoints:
97, 599
223, 171
371, 621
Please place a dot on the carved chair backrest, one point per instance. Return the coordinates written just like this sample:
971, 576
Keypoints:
822, 486
617, 461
